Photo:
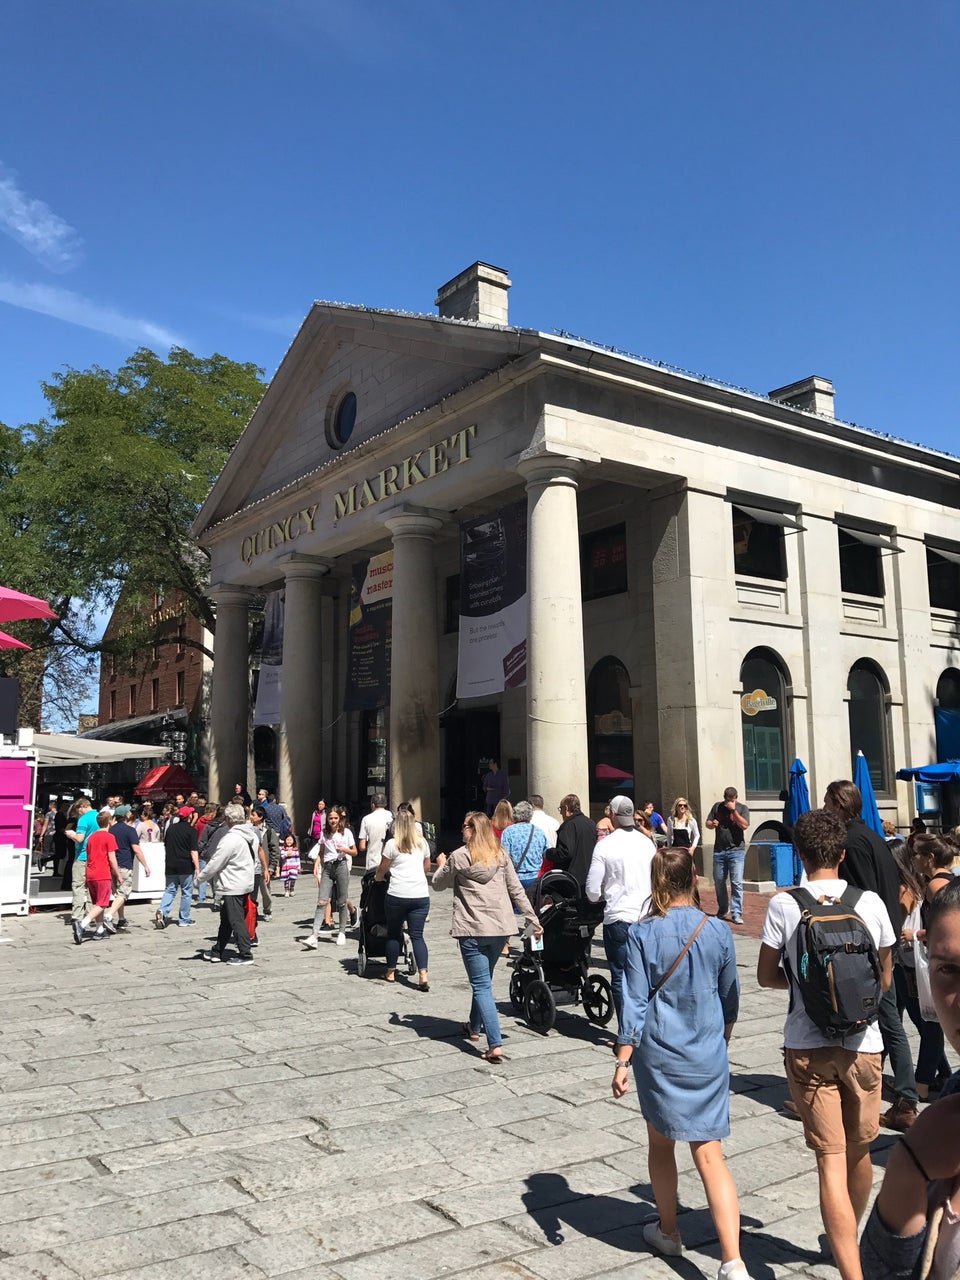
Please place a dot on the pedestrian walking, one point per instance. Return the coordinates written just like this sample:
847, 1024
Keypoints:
485, 891
682, 829
83, 818
332, 869
681, 997
289, 865
406, 859
181, 864
620, 876
730, 820
101, 873
230, 870
914, 1228
836, 1080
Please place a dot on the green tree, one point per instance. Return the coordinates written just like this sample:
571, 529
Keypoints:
98, 497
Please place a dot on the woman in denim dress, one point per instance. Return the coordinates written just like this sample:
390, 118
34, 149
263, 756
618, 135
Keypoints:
676, 1021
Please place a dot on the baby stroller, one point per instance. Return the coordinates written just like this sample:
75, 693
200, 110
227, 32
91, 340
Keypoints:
372, 926
561, 968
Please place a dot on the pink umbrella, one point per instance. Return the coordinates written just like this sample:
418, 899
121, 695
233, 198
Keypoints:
15, 605
11, 642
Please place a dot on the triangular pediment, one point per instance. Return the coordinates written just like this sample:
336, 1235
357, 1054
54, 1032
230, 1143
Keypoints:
396, 365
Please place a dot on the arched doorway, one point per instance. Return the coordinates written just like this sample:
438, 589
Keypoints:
764, 723
867, 691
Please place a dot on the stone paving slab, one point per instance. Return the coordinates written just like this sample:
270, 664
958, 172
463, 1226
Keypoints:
162, 1117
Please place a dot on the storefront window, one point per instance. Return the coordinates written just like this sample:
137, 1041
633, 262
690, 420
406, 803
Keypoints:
603, 562
610, 731
375, 725
861, 570
762, 720
867, 709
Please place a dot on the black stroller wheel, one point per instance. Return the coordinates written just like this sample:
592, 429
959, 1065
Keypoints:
410, 958
540, 1007
598, 1000
516, 991
361, 959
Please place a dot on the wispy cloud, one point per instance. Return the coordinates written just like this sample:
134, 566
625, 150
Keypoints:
34, 225
63, 304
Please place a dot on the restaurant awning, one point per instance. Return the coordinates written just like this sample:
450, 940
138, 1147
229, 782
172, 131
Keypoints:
67, 749
164, 780
943, 771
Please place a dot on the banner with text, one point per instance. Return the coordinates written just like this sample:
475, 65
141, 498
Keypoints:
267, 709
492, 651
371, 616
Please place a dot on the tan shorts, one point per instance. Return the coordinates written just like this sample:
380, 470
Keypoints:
837, 1093
125, 887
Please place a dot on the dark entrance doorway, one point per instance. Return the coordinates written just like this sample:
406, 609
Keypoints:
470, 738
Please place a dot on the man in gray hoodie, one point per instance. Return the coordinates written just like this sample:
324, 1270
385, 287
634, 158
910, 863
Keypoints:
231, 869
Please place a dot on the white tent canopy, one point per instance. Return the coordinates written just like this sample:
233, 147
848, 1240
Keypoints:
65, 749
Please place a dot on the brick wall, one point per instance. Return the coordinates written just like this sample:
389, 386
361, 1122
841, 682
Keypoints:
160, 680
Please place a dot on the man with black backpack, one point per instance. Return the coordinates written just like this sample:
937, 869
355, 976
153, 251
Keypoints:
834, 941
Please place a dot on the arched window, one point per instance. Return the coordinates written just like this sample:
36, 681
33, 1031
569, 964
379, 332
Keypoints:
609, 731
763, 723
867, 709
948, 689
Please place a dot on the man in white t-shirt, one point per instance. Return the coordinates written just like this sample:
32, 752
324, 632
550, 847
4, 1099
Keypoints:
836, 1084
620, 874
372, 835
549, 826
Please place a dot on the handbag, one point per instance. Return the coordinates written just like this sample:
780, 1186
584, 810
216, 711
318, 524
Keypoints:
686, 947
921, 968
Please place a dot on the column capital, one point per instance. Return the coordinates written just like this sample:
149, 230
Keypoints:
546, 469
227, 593
412, 522
309, 568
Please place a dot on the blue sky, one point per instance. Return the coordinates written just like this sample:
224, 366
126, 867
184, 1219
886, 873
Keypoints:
756, 191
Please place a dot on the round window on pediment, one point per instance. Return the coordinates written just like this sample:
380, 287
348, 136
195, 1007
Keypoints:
341, 419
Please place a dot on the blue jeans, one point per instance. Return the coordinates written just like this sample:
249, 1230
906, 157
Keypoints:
202, 891
615, 945
729, 862
185, 885
414, 911
480, 956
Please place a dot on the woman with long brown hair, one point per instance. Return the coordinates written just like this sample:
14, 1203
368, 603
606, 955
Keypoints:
485, 892
681, 997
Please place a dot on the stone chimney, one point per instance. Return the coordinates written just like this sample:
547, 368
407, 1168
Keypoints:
813, 394
479, 293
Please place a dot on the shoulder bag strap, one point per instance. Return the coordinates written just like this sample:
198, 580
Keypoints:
686, 947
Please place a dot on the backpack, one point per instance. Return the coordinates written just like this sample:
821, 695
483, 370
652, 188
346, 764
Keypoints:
839, 976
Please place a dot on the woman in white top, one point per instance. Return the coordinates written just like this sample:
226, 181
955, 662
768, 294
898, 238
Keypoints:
682, 829
406, 857
332, 868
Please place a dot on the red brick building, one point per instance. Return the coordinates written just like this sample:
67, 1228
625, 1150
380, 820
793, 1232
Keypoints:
160, 695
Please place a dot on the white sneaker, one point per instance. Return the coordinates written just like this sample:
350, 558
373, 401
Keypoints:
655, 1238
735, 1270
311, 942
341, 939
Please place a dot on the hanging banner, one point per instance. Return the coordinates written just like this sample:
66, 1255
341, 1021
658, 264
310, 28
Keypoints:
267, 710
492, 650
371, 616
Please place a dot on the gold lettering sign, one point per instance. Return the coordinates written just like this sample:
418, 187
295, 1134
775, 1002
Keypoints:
759, 700
418, 467
278, 533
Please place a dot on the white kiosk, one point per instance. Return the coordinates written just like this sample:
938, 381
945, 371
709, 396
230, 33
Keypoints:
19, 866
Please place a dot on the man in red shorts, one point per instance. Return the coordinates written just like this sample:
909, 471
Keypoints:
102, 872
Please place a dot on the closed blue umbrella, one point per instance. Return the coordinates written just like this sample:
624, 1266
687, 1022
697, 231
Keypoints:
868, 804
798, 796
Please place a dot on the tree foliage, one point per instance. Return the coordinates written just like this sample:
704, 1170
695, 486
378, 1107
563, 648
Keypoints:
99, 496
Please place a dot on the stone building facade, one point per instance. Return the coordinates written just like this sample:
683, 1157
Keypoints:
718, 581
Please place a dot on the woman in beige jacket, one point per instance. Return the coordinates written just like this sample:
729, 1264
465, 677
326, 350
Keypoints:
485, 891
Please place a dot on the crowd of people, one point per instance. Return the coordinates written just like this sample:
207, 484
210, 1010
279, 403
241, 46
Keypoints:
870, 934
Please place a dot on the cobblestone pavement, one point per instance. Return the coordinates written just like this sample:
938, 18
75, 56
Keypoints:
162, 1117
